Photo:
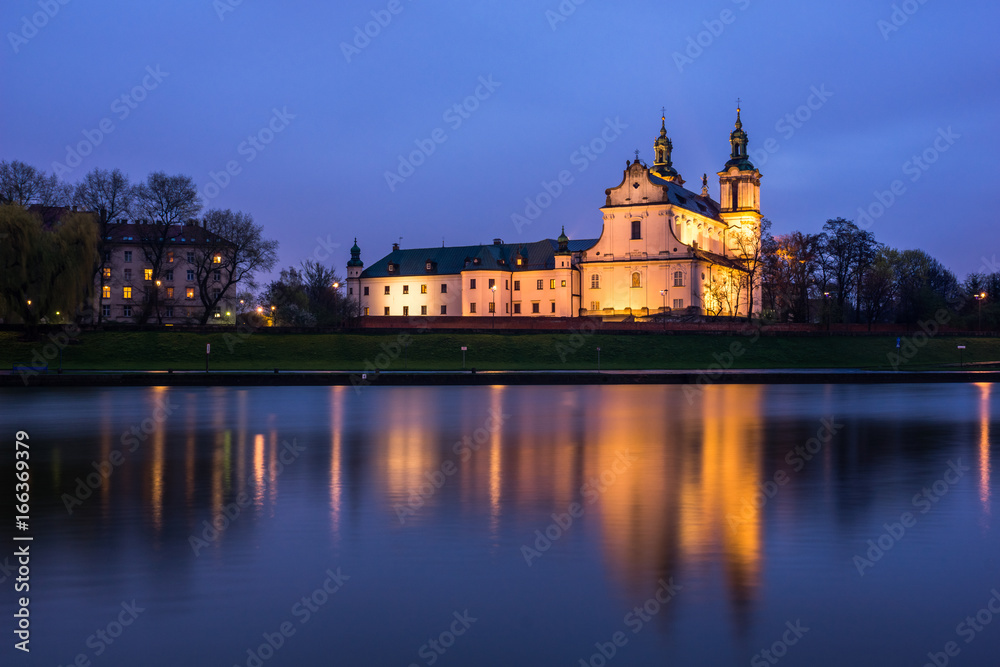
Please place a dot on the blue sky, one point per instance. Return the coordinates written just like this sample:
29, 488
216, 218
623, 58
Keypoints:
310, 118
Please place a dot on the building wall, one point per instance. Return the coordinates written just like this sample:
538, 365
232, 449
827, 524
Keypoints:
406, 298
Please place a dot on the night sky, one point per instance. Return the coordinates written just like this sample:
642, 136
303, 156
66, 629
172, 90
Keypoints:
310, 117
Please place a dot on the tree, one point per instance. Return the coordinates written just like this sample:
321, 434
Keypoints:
791, 269
234, 251
109, 196
847, 251
42, 270
924, 286
22, 184
161, 202
877, 285
749, 245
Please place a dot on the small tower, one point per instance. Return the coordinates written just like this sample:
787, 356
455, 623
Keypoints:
563, 241
663, 165
354, 268
739, 180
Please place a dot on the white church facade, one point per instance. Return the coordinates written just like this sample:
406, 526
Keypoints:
663, 250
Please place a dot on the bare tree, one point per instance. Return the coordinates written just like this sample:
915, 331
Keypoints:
161, 202
109, 196
22, 184
234, 250
748, 246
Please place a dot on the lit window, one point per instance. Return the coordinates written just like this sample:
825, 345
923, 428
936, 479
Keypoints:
678, 304
472, 308
107, 273
189, 293
444, 310
147, 274
128, 255
106, 292
216, 314
595, 305
493, 307
563, 284
386, 289
636, 279
170, 257
406, 311
678, 279
552, 283
538, 284
127, 292
520, 261
170, 292
423, 289
217, 259
366, 311
595, 283
406, 289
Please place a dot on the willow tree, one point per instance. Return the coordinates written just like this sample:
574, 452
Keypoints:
43, 271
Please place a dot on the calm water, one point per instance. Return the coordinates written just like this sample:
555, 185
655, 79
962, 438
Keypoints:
339, 536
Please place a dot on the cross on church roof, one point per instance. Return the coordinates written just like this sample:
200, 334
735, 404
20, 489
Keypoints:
738, 105
636, 154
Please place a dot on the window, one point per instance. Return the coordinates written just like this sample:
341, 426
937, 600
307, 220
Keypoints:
170, 292
595, 305
190, 274
493, 307
535, 307
506, 284
636, 279
444, 310
190, 257
538, 284
472, 284
472, 308
406, 289
563, 284
423, 310
678, 279
406, 311
552, 283
387, 310
107, 258
429, 265
168, 311
423, 289
189, 293
106, 310
506, 308
217, 259
444, 289
678, 304
126, 292
366, 311
127, 311
520, 261
128, 255
517, 309
366, 290
492, 284
217, 276
106, 292
106, 272
392, 267
170, 275
595, 283
170, 257
637, 229
147, 274
386, 289
216, 294
128, 274
517, 285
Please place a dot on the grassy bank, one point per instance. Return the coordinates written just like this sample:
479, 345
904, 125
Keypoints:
438, 351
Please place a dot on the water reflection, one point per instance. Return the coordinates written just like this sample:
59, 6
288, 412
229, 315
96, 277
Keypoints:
984, 447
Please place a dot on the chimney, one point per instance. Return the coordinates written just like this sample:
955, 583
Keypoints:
395, 247
497, 241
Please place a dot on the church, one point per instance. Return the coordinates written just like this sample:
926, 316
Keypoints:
663, 251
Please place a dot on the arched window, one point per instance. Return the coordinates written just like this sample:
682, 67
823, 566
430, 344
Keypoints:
595, 281
678, 279
636, 280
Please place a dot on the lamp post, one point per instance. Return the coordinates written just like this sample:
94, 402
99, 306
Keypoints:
826, 309
663, 312
979, 298
494, 309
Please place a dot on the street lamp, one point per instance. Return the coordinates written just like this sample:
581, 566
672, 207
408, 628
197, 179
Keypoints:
979, 298
826, 308
663, 313
493, 289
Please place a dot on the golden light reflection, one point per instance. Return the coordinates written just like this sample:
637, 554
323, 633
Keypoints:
496, 461
984, 445
337, 395
410, 452
258, 471
272, 470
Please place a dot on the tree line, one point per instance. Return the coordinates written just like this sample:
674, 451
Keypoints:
53, 264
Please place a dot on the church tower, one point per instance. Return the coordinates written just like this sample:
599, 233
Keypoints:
739, 180
354, 268
663, 165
